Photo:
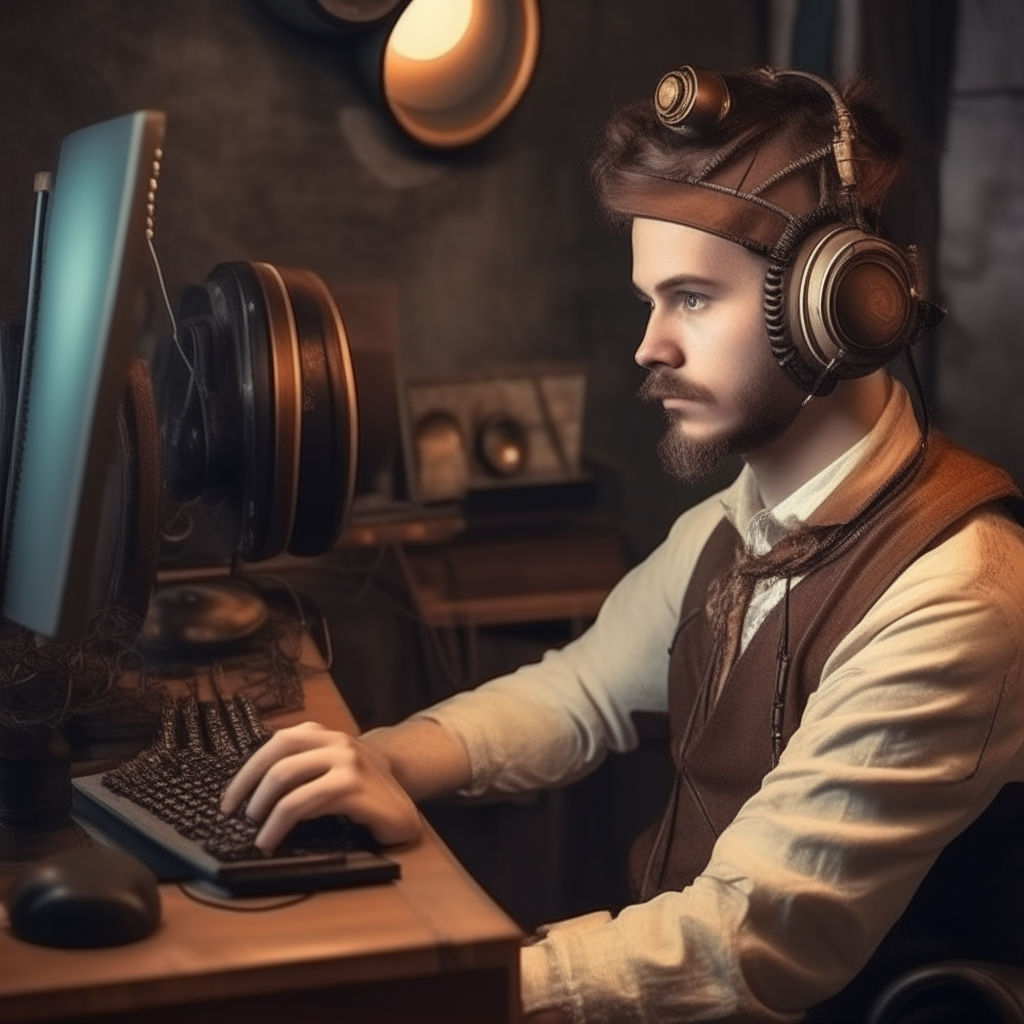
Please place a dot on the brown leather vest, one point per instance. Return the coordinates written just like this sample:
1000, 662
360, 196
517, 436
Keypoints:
722, 751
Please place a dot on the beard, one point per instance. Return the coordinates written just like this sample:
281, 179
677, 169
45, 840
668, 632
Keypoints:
768, 413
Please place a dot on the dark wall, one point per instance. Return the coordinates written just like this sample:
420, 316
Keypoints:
981, 353
272, 154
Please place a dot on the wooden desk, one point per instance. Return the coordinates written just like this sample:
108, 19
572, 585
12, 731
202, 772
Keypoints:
430, 947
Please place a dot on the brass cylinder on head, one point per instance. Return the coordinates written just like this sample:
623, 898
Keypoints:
691, 97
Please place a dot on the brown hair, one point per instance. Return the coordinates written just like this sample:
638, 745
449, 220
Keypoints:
635, 145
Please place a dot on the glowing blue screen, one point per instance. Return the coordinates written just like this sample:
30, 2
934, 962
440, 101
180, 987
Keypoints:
82, 263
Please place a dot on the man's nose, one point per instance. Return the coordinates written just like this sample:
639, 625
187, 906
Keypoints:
658, 346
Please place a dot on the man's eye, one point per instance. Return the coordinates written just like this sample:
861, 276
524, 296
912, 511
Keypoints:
692, 300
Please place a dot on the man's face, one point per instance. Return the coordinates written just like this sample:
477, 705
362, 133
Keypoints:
706, 348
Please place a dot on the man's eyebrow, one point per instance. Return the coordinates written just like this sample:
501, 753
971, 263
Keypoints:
690, 281
693, 281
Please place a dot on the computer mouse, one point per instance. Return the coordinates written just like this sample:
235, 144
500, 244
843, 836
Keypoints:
79, 898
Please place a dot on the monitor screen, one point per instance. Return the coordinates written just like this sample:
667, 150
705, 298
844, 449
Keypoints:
76, 367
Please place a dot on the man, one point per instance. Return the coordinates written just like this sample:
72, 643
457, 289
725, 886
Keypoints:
836, 636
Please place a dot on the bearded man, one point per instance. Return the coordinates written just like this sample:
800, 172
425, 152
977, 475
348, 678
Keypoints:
836, 636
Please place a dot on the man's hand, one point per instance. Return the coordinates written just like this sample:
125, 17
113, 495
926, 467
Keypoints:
308, 770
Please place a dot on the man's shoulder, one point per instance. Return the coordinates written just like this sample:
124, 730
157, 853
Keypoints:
960, 601
986, 547
981, 558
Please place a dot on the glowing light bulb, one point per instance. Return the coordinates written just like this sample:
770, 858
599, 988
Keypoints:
429, 29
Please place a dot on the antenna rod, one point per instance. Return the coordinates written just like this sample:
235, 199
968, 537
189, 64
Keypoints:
42, 185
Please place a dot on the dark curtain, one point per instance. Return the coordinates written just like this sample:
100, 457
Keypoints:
908, 49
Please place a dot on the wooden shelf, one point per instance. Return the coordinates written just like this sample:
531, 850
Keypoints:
535, 576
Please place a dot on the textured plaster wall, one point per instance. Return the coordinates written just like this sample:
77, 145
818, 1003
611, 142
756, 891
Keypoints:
272, 154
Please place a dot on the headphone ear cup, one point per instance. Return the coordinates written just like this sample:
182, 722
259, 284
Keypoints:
329, 446
847, 300
780, 337
251, 395
285, 407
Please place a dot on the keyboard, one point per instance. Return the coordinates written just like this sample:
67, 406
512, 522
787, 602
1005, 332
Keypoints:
164, 806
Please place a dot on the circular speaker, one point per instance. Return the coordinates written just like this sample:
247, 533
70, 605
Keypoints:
330, 433
258, 409
871, 306
442, 469
502, 445
853, 292
452, 71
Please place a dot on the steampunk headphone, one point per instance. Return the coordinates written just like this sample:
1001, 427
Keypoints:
258, 409
839, 300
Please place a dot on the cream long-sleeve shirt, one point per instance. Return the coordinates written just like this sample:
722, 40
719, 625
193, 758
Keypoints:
917, 723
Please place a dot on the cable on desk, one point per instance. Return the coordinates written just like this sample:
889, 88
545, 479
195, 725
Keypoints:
324, 643
226, 903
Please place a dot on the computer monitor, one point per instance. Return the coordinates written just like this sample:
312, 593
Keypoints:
74, 368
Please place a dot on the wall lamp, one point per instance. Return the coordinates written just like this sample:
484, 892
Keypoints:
448, 72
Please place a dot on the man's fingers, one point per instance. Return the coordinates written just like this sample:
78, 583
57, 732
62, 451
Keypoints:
308, 801
281, 744
285, 775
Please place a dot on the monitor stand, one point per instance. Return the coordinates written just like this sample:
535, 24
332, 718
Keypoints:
200, 621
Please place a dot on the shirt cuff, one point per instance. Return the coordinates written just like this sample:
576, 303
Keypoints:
545, 977
532, 746
462, 726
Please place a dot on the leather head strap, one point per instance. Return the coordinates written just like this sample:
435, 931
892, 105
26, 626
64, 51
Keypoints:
749, 192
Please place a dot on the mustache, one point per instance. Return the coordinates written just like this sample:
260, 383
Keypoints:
660, 384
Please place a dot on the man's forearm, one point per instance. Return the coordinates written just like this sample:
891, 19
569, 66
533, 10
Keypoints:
426, 759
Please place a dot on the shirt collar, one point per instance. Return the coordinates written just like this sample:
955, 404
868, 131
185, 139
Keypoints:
821, 501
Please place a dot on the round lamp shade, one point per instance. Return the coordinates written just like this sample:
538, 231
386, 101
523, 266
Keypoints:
333, 19
452, 70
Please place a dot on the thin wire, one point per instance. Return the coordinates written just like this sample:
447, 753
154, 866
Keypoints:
292, 593
428, 627
838, 358
796, 165
748, 196
926, 413
550, 426
366, 586
223, 904
167, 304
781, 676
174, 328
327, 650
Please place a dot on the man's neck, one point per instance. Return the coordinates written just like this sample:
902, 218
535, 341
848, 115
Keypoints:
821, 432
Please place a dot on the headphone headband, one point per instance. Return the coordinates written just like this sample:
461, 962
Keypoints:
839, 301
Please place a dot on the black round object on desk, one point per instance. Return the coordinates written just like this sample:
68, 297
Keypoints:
83, 898
202, 618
